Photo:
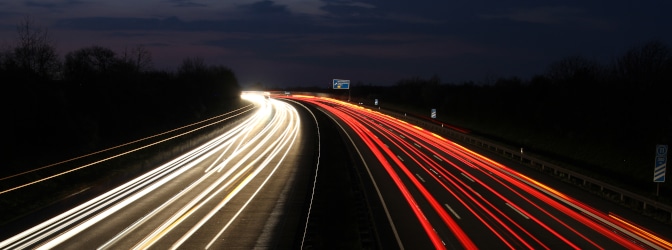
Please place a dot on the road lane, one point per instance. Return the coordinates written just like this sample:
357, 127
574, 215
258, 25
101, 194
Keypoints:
484, 199
198, 199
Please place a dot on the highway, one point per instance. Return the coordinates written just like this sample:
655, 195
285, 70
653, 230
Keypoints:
248, 187
230, 192
438, 194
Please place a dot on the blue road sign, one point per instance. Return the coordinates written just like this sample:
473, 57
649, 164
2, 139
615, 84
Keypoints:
434, 113
661, 162
341, 84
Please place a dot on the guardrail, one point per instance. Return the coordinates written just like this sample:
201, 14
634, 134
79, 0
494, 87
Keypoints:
623, 196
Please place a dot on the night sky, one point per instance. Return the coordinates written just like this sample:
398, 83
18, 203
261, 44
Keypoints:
309, 42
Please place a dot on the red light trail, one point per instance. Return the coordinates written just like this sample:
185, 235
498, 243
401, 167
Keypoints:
517, 210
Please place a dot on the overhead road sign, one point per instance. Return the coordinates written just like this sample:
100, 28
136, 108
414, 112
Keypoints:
341, 84
661, 162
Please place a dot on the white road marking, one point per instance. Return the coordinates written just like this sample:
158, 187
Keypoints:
420, 177
465, 176
452, 211
518, 211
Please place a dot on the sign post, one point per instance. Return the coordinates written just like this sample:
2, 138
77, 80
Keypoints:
342, 84
661, 164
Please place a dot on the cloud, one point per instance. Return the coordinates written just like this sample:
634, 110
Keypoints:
394, 47
250, 24
129, 34
264, 8
356, 13
119, 23
554, 15
58, 4
186, 3
411, 19
358, 4
8, 14
545, 15
303, 7
314, 48
156, 44
361, 5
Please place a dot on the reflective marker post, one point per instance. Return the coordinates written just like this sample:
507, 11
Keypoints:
659, 169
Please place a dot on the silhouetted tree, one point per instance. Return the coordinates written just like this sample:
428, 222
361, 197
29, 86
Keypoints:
430, 91
206, 85
645, 75
646, 65
103, 98
539, 81
408, 91
223, 81
139, 57
192, 67
6, 63
575, 70
35, 54
511, 82
89, 65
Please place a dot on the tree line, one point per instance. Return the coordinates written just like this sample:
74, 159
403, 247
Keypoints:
95, 97
606, 118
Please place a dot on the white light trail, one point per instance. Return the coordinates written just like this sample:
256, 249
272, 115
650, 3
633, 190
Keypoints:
260, 139
265, 136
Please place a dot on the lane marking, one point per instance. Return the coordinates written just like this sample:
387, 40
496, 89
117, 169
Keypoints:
420, 177
465, 176
437, 157
518, 211
453, 211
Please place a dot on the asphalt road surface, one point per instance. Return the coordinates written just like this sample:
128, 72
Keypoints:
316, 173
438, 194
235, 192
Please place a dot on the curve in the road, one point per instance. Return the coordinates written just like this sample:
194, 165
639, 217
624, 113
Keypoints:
228, 171
516, 210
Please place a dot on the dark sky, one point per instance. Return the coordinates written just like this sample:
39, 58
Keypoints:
309, 42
